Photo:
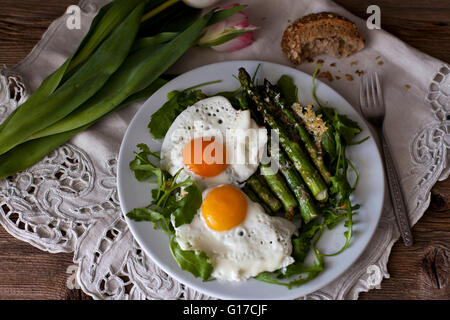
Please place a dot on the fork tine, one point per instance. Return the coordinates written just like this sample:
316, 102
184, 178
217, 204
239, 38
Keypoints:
362, 94
374, 90
379, 91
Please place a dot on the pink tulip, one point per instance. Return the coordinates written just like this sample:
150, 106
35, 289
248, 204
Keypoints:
231, 34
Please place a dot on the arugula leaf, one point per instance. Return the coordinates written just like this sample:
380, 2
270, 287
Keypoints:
329, 144
166, 202
162, 119
142, 167
269, 278
145, 214
196, 263
340, 187
187, 99
347, 128
177, 101
288, 89
302, 244
187, 207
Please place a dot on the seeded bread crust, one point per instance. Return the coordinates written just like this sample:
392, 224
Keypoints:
318, 33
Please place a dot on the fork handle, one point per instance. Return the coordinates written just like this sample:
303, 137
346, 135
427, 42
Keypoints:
398, 202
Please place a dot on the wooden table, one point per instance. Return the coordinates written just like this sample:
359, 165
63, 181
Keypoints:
418, 272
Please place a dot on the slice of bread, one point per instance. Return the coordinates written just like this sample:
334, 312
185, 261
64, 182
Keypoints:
318, 33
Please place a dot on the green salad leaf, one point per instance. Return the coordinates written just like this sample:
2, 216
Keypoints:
177, 102
196, 263
171, 199
288, 89
142, 167
187, 207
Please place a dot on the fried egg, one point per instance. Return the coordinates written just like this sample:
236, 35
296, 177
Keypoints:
213, 143
238, 237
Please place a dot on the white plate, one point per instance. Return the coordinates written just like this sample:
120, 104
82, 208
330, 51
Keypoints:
369, 193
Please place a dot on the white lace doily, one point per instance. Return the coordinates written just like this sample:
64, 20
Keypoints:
68, 201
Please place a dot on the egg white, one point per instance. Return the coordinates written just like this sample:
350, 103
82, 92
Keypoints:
215, 117
260, 243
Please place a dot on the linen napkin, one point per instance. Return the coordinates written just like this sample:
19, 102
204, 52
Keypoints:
68, 201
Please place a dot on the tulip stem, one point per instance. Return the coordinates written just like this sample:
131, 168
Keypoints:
157, 10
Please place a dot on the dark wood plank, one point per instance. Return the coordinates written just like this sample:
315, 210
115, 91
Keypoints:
29, 273
422, 271
22, 24
419, 272
424, 25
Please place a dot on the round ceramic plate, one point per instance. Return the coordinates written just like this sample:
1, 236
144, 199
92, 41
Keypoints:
369, 192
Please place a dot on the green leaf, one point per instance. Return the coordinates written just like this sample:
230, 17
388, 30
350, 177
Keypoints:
346, 127
191, 261
162, 119
187, 99
145, 214
269, 278
225, 36
341, 187
142, 167
302, 244
84, 83
187, 207
329, 144
288, 89
178, 101
224, 14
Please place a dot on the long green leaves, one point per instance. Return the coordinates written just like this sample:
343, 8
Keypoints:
103, 24
30, 118
137, 72
109, 69
28, 153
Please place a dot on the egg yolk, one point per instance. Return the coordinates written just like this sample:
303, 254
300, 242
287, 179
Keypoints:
205, 157
224, 208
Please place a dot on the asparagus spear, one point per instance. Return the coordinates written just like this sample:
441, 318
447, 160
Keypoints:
254, 197
264, 193
315, 154
307, 207
276, 183
301, 162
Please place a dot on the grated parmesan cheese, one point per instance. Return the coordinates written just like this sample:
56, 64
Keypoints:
314, 124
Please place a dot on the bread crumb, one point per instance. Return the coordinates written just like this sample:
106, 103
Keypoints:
337, 77
359, 72
349, 77
380, 63
327, 75
377, 57
320, 61
333, 64
353, 63
407, 86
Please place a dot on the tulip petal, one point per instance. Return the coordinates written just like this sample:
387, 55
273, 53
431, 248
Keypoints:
230, 34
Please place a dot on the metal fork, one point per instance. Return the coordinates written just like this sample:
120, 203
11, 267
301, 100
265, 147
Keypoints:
373, 109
